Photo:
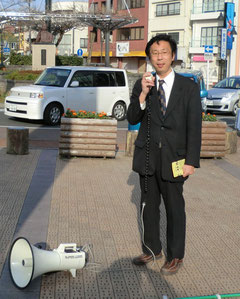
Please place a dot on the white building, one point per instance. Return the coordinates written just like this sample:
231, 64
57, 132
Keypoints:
195, 24
76, 38
173, 18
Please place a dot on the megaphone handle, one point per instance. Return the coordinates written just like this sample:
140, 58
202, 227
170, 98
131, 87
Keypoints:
62, 247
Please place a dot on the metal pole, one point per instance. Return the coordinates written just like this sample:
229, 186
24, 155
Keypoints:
1, 49
30, 30
207, 73
107, 35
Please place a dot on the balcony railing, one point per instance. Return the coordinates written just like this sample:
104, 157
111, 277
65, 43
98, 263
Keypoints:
208, 7
204, 41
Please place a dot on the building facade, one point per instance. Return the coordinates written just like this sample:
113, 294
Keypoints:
208, 19
172, 17
127, 44
194, 24
76, 38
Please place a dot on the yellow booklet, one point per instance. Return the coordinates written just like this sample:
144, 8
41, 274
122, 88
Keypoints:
177, 167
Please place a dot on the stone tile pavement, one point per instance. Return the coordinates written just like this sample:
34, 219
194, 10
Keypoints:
50, 200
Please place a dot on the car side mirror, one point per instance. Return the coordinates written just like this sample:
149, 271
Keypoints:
203, 93
74, 84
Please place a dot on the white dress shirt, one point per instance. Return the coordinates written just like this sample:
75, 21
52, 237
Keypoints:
167, 86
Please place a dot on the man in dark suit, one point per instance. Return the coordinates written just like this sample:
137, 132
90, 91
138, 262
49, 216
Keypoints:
169, 108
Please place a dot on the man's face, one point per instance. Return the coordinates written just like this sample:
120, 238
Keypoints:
161, 57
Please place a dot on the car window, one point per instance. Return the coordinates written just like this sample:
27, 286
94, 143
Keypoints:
233, 83
84, 78
120, 79
236, 84
53, 77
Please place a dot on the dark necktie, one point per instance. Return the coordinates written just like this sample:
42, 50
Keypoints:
162, 98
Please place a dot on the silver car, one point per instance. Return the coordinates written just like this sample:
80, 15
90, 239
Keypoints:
224, 96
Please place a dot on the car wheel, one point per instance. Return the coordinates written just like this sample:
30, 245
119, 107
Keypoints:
235, 107
52, 114
119, 111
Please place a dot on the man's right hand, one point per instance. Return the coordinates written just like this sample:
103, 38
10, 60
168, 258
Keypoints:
148, 81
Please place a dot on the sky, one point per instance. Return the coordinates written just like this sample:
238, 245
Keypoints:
35, 4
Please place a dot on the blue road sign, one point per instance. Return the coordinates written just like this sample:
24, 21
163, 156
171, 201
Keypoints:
208, 49
6, 50
80, 52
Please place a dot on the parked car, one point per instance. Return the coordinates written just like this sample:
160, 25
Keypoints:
79, 88
197, 77
224, 96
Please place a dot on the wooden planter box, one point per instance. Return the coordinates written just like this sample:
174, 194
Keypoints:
88, 137
213, 139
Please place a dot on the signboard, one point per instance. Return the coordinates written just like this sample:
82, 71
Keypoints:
223, 54
80, 52
208, 49
6, 50
122, 48
208, 56
208, 52
229, 12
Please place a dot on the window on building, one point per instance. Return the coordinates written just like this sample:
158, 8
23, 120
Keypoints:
130, 33
13, 45
213, 5
64, 47
103, 6
83, 42
209, 36
130, 4
168, 9
174, 35
93, 33
94, 7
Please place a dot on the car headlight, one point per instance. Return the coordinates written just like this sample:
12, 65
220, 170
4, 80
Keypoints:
34, 95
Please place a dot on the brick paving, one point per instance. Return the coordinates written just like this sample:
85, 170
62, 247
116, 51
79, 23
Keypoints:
96, 201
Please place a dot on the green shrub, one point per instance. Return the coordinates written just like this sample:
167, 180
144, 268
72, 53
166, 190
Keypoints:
18, 59
68, 60
23, 75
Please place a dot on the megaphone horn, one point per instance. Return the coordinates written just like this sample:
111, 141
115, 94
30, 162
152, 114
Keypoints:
27, 262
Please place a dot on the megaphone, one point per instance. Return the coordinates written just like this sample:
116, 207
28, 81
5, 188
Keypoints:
27, 262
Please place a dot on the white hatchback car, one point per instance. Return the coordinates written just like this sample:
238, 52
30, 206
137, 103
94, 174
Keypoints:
224, 96
79, 88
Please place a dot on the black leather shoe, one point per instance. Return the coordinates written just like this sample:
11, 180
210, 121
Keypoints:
145, 258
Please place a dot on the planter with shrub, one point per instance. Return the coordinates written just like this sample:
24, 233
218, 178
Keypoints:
87, 134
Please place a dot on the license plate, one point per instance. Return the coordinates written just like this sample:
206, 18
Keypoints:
13, 108
209, 103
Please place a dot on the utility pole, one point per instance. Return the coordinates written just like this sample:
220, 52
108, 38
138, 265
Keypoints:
48, 8
107, 34
1, 65
30, 29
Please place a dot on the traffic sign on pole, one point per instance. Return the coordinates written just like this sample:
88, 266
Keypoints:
80, 52
6, 50
208, 49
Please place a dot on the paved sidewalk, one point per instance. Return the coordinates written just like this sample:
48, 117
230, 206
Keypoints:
96, 201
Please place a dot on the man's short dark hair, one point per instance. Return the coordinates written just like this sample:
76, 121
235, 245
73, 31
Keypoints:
157, 39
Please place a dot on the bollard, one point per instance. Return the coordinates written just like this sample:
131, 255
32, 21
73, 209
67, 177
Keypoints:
237, 122
131, 137
17, 140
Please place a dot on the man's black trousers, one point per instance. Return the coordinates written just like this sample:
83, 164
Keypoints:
175, 212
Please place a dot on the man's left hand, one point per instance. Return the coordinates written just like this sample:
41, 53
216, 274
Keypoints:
188, 170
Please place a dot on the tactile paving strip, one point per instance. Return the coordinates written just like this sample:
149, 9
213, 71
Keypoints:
96, 201
15, 177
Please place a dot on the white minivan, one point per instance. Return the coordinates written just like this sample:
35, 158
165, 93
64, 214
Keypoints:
98, 89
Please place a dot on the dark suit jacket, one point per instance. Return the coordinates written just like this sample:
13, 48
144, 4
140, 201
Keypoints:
178, 132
